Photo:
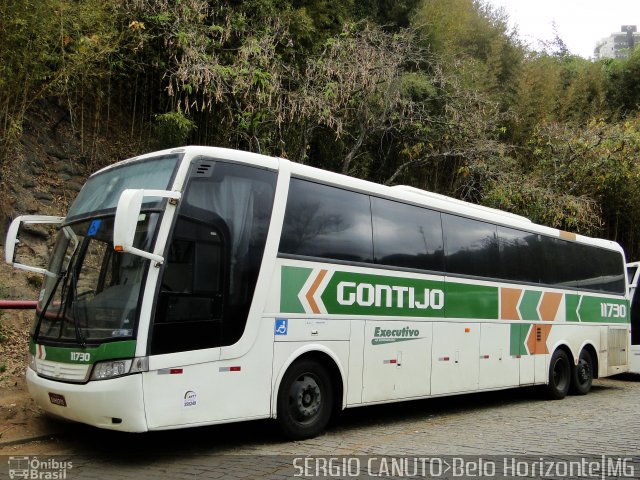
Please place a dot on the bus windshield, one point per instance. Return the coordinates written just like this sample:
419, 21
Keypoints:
102, 190
91, 293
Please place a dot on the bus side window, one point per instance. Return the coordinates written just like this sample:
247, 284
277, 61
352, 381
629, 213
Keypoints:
407, 236
327, 222
471, 246
190, 303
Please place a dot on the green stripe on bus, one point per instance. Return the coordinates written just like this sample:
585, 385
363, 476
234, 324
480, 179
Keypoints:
106, 351
464, 300
571, 306
350, 293
529, 305
598, 309
291, 282
517, 343
590, 309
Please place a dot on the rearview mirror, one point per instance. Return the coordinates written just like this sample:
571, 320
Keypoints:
127, 215
13, 240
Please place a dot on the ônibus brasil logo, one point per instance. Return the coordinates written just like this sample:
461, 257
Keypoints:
382, 336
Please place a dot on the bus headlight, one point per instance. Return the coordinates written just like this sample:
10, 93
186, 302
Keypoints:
32, 362
110, 369
118, 368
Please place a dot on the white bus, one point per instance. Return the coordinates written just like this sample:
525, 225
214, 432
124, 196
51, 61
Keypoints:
202, 285
633, 273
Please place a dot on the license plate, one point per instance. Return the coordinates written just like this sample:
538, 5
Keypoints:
57, 399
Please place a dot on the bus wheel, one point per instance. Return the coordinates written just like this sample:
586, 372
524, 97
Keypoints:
582, 374
559, 375
305, 400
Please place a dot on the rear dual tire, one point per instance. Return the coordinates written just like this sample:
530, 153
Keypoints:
582, 377
565, 378
559, 375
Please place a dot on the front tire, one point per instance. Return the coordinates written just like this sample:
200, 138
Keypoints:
559, 375
582, 376
305, 400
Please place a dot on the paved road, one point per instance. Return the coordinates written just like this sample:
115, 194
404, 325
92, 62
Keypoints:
513, 422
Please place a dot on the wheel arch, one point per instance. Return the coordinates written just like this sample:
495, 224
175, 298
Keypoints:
327, 359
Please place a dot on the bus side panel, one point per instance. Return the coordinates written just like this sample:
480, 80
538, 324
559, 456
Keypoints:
211, 392
498, 368
455, 357
356, 362
397, 360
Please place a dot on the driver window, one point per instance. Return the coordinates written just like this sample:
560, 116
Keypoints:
188, 316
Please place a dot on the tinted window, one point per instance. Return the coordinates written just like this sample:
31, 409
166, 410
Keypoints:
559, 263
571, 264
188, 316
519, 255
327, 222
406, 236
241, 199
214, 257
613, 268
471, 247
598, 269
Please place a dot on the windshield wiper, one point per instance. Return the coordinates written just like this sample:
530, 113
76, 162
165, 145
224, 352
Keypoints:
42, 313
74, 308
67, 295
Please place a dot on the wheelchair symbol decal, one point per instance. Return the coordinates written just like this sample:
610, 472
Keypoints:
282, 324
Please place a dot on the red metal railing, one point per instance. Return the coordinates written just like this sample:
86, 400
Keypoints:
18, 304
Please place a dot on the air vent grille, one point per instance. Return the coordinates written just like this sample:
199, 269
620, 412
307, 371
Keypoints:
204, 170
617, 345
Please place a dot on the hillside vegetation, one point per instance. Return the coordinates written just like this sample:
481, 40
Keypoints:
438, 94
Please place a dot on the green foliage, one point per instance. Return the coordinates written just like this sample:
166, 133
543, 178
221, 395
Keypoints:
438, 94
51, 48
171, 130
598, 161
389, 13
418, 86
623, 83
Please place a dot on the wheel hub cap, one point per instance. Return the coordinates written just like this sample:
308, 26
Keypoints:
308, 397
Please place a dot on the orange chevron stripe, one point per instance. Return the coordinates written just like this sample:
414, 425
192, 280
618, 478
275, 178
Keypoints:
537, 341
312, 291
549, 306
509, 298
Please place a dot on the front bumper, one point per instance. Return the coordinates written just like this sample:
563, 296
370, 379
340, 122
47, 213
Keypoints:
116, 404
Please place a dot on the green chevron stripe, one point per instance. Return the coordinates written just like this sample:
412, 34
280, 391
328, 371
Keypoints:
292, 280
518, 340
529, 305
571, 307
